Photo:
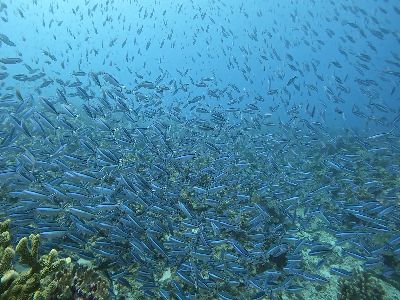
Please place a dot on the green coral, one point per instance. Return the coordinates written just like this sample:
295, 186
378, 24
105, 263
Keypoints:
29, 255
46, 276
7, 256
6, 252
21, 285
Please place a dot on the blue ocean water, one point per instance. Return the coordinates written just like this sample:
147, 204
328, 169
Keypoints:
205, 149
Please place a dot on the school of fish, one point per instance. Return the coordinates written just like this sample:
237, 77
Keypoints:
245, 150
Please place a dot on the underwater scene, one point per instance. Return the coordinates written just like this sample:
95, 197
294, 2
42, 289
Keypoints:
200, 149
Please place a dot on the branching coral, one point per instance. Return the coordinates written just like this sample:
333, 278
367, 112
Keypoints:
29, 255
47, 276
16, 285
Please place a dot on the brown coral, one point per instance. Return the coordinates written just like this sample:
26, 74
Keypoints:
75, 282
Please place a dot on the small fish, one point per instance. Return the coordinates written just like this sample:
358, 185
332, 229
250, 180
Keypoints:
11, 60
6, 40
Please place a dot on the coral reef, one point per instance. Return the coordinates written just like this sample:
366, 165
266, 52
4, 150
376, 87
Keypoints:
46, 277
361, 286
75, 282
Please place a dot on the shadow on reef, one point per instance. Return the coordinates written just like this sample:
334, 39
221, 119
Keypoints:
360, 286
